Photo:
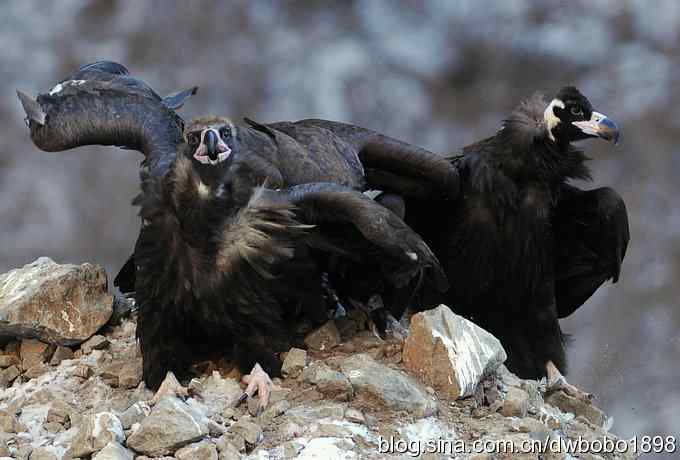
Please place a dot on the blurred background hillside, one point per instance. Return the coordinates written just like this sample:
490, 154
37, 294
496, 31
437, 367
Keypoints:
440, 74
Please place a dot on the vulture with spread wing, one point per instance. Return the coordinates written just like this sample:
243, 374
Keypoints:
230, 254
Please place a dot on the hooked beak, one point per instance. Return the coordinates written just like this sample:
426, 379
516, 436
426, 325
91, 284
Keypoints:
600, 126
210, 141
33, 110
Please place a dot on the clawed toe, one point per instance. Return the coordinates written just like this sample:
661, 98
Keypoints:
557, 382
257, 381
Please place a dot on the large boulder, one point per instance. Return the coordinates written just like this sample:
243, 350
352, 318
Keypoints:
58, 304
450, 353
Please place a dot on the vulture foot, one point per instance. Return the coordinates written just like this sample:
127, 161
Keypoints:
557, 382
258, 381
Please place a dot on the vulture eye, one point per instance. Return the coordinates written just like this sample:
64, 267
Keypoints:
192, 138
577, 111
225, 133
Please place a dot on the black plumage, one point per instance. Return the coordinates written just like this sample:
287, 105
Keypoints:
245, 275
220, 258
521, 247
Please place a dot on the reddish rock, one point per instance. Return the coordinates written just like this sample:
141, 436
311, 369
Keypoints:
450, 353
34, 352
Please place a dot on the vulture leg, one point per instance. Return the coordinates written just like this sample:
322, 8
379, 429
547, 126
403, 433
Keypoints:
258, 381
169, 387
374, 309
557, 382
591, 233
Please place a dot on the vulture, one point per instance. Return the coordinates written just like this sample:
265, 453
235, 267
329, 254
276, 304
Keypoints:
521, 246
240, 256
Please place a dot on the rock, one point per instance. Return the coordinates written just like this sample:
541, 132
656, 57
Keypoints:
82, 371
251, 432
24, 452
229, 452
8, 360
130, 374
329, 382
235, 440
59, 412
276, 409
110, 378
95, 433
355, 416
35, 371
42, 453
34, 352
9, 423
507, 377
198, 451
114, 451
60, 354
4, 450
172, 424
7, 376
393, 389
323, 338
450, 353
58, 304
220, 391
134, 414
295, 361
578, 407
516, 403
96, 342
53, 427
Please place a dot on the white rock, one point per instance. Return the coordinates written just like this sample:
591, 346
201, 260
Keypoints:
451, 353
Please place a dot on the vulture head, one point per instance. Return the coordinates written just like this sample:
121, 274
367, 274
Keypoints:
570, 117
210, 139
101, 104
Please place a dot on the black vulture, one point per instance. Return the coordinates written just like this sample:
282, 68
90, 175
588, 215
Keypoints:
308, 151
245, 275
239, 262
521, 246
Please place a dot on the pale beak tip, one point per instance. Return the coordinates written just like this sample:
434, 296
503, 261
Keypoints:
33, 110
610, 130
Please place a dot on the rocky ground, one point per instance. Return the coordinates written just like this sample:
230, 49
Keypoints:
70, 387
